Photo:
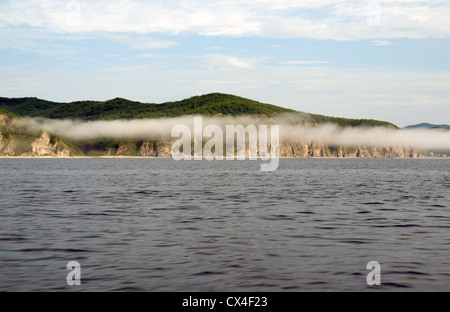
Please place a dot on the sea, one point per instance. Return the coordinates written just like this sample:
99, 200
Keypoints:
160, 225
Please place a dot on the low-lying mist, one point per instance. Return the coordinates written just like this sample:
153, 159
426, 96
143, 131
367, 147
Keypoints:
290, 129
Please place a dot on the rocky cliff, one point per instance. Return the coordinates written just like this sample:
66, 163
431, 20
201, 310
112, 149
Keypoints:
16, 140
287, 149
305, 150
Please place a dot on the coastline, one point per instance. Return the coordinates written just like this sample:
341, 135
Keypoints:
152, 157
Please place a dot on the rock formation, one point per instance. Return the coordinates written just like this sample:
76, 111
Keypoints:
15, 142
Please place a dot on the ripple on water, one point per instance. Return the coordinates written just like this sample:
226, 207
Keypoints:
161, 225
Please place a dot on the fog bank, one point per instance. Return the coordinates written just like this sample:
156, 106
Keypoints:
161, 129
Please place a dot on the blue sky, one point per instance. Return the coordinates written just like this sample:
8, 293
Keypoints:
387, 60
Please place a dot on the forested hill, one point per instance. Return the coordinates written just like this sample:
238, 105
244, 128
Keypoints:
7, 113
207, 105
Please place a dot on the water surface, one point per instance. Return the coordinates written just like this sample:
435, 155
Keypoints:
162, 225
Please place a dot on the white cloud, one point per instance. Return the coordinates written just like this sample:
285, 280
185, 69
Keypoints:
142, 43
320, 19
403, 97
224, 61
380, 43
303, 62
38, 41
49, 26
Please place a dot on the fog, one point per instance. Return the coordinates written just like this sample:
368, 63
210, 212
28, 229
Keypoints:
376, 136
291, 128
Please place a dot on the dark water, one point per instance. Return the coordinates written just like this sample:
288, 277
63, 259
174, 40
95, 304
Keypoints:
162, 225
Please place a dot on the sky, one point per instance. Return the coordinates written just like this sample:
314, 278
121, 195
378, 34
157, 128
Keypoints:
386, 60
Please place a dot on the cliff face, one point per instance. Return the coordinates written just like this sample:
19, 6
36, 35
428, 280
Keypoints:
3, 119
48, 145
287, 149
304, 150
155, 149
16, 141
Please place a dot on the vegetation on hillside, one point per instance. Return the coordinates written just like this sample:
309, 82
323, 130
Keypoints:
208, 105
118, 108
63, 143
7, 113
346, 122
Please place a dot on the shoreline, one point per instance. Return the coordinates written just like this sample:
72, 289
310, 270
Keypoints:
152, 157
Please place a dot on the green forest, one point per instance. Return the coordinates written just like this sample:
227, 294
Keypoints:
214, 104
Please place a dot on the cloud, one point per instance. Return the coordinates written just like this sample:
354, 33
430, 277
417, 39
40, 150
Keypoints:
400, 96
141, 43
320, 19
225, 61
380, 43
303, 62
40, 41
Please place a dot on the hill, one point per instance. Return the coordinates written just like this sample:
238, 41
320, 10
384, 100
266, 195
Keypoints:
119, 108
6, 113
207, 105
426, 126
